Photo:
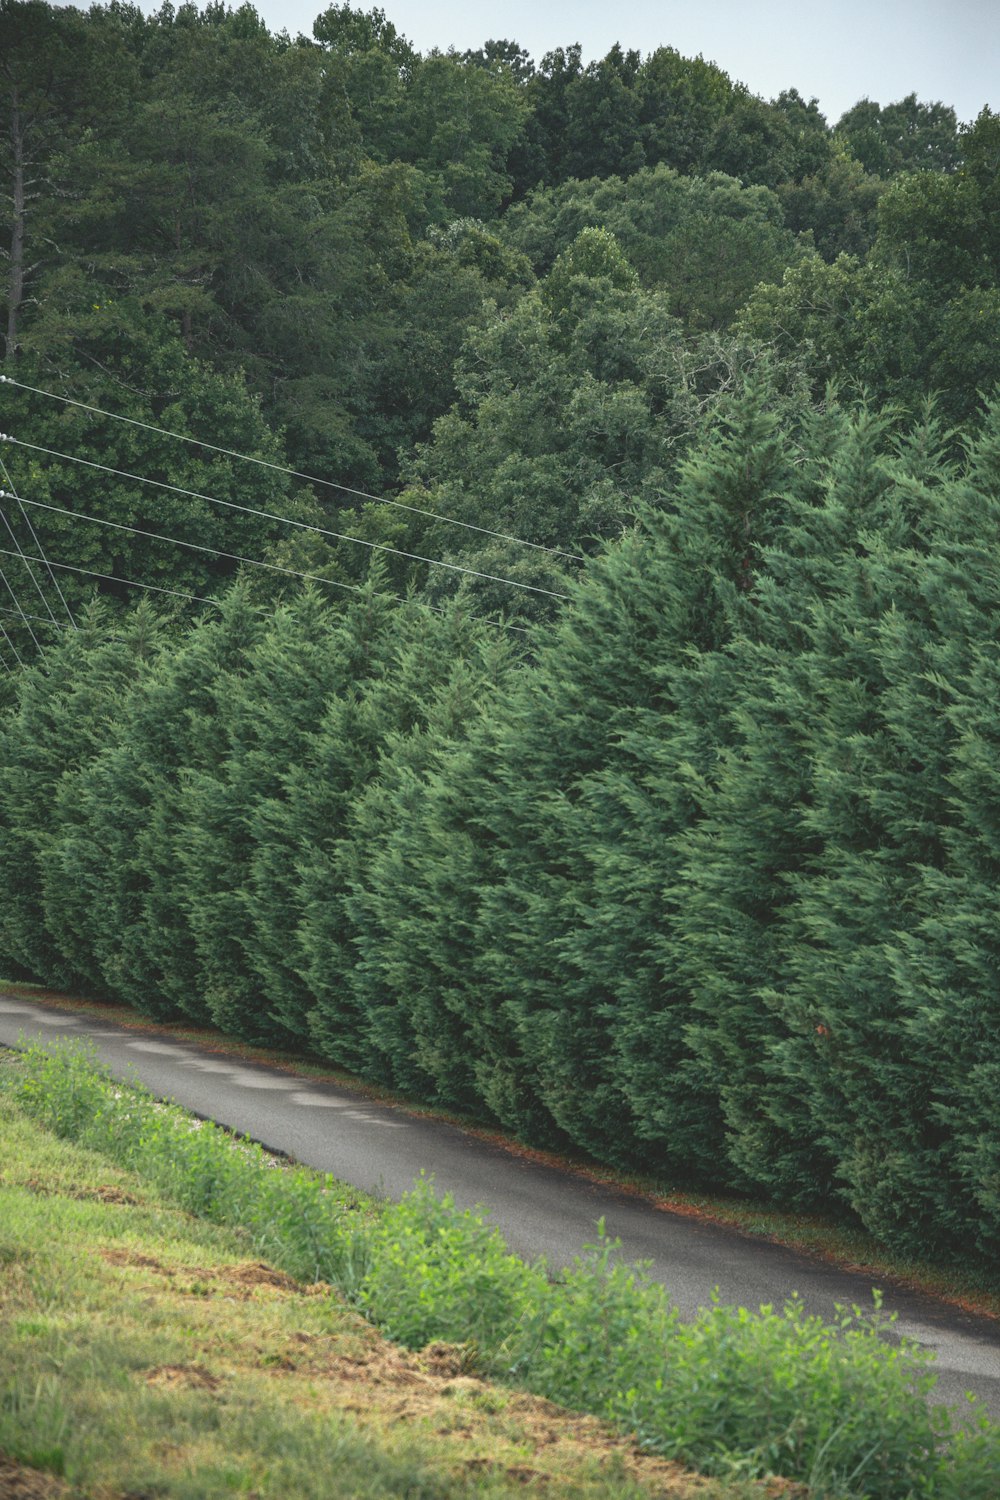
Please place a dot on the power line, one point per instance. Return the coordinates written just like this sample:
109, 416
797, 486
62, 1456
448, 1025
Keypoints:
264, 463
200, 599
13, 648
127, 582
31, 571
157, 536
283, 520
41, 620
17, 602
39, 547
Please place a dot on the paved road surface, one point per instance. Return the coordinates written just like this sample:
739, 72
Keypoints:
539, 1209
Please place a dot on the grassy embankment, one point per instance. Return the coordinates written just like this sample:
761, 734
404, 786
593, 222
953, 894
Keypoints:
973, 1288
147, 1353
732, 1394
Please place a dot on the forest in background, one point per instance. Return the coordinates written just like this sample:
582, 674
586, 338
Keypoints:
602, 741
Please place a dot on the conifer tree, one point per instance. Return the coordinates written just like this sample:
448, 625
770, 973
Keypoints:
180, 741
741, 863
407, 872
297, 667
400, 663
599, 769
304, 915
60, 722
890, 952
91, 880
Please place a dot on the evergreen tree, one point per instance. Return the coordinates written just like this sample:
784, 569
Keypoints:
302, 914
63, 715
571, 922
181, 743
889, 948
742, 861
407, 873
300, 665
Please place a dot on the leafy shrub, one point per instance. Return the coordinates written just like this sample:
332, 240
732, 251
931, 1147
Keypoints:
438, 1272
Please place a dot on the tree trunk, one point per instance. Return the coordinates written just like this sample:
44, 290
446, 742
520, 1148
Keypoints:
15, 289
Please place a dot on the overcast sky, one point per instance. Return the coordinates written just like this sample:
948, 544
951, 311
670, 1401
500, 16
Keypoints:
838, 50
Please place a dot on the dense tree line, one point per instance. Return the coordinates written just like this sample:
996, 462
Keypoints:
704, 886
336, 250
606, 746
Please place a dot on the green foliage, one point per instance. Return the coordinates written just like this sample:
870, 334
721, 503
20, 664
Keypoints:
60, 720
779, 1392
407, 869
704, 242
834, 1404
295, 1217
440, 1273
907, 136
209, 506
697, 873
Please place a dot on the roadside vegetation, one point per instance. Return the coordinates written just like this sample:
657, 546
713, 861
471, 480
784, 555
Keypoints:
841, 1409
974, 1287
563, 501
148, 1351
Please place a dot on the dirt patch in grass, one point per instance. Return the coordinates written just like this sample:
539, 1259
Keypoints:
134, 1258
103, 1193
255, 1274
172, 1376
383, 1385
241, 1281
18, 1482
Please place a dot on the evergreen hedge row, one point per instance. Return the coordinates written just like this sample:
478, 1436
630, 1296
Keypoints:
707, 885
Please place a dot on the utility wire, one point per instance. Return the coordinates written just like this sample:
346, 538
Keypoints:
128, 582
344, 489
17, 602
201, 599
40, 619
13, 648
38, 546
157, 536
267, 515
27, 564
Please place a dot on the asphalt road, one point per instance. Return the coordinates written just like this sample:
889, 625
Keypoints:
539, 1209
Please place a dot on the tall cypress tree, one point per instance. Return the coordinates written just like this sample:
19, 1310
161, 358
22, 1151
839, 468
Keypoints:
406, 870
597, 781
398, 669
303, 911
91, 879
159, 963
262, 711
742, 861
60, 723
892, 957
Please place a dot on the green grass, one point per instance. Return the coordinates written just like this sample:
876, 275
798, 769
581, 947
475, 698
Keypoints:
730, 1393
146, 1352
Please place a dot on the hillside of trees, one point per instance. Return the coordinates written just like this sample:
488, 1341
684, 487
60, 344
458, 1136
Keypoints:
498, 586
